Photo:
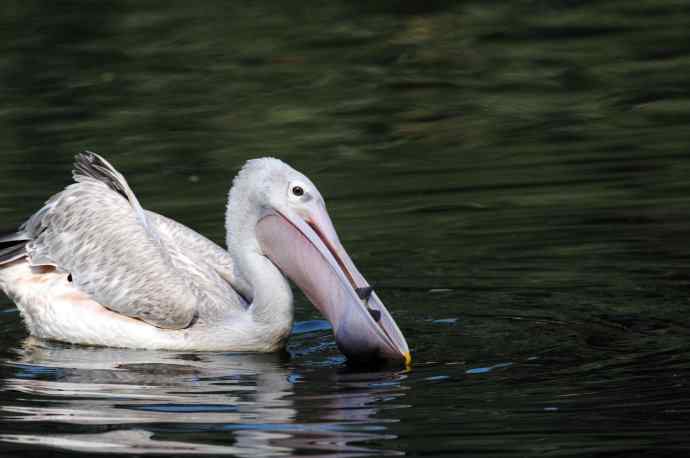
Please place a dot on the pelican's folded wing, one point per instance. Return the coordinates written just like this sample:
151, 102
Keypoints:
96, 231
208, 267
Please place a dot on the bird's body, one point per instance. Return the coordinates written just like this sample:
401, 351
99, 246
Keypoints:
93, 267
53, 308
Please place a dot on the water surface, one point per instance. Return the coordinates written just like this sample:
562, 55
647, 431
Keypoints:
512, 177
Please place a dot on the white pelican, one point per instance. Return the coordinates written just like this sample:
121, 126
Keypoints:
93, 267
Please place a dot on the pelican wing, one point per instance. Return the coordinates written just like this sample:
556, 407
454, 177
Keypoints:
97, 231
209, 267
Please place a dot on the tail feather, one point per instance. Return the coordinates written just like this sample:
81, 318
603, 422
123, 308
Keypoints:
13, 249
17, 236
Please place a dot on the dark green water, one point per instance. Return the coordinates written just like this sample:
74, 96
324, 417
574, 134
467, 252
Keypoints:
514, 177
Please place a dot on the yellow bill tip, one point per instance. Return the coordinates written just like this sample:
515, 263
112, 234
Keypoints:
408, 358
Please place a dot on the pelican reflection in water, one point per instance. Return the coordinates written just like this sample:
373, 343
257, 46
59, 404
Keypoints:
241, 404
93, 267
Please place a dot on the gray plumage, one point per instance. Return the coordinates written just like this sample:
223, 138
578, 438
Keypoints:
93, 267
97, 231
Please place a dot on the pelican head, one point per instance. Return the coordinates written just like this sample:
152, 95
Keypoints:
286, 221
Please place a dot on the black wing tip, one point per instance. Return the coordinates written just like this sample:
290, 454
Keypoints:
85, 161
90, 156
88, 163
93, 165
83, 164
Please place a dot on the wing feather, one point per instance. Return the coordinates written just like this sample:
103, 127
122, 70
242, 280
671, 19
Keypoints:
209, 267
96, 230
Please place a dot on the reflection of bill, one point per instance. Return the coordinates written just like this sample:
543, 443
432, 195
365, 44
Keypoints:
350, 410
219, 403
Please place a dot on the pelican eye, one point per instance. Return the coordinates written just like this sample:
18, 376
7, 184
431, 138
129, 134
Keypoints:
297, 190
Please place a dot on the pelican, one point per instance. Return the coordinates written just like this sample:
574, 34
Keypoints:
93, 267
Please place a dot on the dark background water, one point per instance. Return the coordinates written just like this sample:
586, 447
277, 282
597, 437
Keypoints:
513, 176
